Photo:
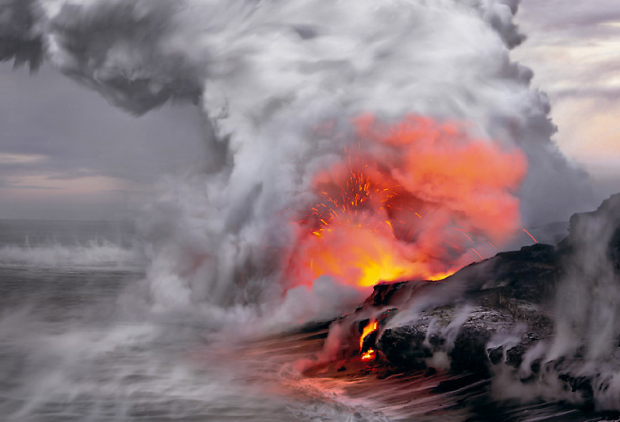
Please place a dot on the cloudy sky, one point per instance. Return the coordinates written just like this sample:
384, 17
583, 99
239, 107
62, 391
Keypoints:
66, 153
573, 48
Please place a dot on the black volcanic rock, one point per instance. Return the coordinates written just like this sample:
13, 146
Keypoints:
404, 346
530, 274
489, 313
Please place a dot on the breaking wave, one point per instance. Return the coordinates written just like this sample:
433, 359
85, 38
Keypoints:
100, 254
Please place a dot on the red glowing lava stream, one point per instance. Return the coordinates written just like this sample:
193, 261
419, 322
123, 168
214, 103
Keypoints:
416, 199
370, 328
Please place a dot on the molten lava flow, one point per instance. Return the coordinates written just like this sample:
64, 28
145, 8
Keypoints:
369, 329
416, 199
370, 354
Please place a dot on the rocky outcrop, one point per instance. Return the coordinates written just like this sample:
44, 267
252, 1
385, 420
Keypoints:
458, 317
492, 312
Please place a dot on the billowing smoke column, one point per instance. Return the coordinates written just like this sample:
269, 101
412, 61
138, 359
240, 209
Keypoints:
282, 85
406, 204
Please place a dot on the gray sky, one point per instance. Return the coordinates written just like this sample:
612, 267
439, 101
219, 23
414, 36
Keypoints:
66, 153
574, 49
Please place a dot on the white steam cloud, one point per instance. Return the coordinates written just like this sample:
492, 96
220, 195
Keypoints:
266, 73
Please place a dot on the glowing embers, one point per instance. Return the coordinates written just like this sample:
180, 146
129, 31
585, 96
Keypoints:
369, 329
416, 199
370, 354
353, 229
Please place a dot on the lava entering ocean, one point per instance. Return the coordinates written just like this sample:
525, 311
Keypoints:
415, 199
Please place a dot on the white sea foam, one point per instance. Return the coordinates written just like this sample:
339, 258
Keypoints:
98, 254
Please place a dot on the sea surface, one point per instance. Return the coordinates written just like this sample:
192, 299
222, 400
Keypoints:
79, 342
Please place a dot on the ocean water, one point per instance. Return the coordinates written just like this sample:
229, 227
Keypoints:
78, 342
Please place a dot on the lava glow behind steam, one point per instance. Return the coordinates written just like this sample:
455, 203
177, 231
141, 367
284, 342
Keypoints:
415, 199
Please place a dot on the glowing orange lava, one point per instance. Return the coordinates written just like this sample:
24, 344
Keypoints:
370, 328
370, 354
415, 199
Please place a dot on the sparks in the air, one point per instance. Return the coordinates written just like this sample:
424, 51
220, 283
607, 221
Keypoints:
407, 202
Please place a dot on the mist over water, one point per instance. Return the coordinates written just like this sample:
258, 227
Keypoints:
69, 245
78, 342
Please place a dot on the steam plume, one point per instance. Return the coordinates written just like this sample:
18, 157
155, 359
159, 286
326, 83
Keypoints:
267, 74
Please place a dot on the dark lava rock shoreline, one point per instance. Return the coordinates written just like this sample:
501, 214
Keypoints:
509, 293
490, 314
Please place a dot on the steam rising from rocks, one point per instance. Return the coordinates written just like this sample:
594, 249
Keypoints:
266, 74
588, 302
583, 352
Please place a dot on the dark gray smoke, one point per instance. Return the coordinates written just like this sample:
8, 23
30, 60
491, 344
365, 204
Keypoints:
19, 41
